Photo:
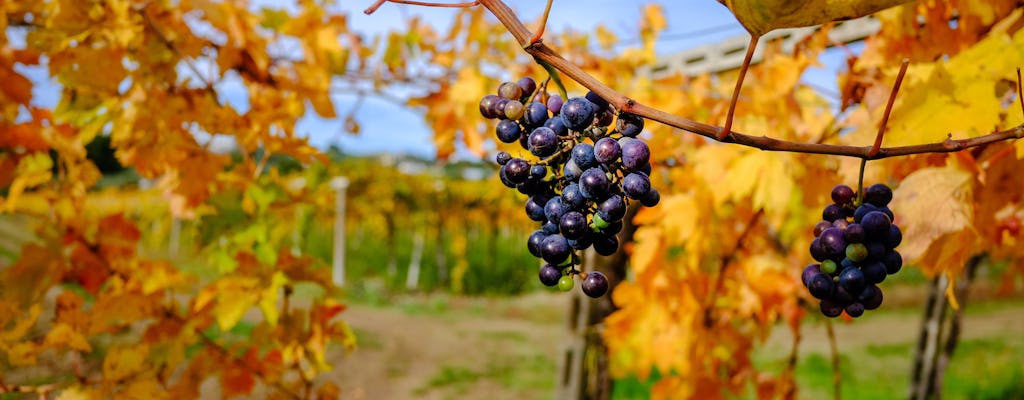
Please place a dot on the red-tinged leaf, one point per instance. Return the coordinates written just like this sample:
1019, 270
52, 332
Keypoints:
236, 380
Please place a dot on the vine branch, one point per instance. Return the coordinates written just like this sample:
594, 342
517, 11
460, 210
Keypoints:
542, 52
888, 108
378, 3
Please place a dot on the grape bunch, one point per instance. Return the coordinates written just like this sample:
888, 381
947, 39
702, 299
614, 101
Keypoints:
855, 247
585, 165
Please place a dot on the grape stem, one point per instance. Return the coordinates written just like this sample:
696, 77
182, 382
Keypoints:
542, 52
888, 109
860, 183
727, 128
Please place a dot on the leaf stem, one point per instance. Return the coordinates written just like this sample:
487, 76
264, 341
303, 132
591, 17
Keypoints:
543, 24
888, 108
727, 128
1020, 92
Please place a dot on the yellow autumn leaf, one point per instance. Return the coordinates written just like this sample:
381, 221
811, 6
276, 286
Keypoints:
766, 177
63, 335
23, 354
233, 299
269, 296
22, 325
762, 16
931, 203
78, 393
124, 361
33, 170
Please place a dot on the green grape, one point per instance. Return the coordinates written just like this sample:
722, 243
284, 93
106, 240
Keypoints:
565, 283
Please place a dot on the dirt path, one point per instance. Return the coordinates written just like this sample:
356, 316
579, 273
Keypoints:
468, 350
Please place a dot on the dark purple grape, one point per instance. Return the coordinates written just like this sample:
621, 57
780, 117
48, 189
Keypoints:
538, 171
534, 186
555, 104
841, 296
579, 113
876, 250
583, 155
517, 170
878, 194
607, 150
630, 125
832, 213
817, 252
555, 249
809, 272
894, 237
534, 241
573, 225
876, 224
535, 115
504, 178
535, 207
573, 198
527, 85
543, 142
595, 284
820, 286
651, 199
636, 185
554, 209
549, 275
842, 195
646, 169
831, 241
557, 124
605, 245
855, 309
854, 233
502, 157
510, 90
487, 106
549, 228
605, 118
524, 140
594, 183
874, 272
571, 171
863, 210
821, 227
852, 280
612, 209
830, 308
613, 228
893, 262
598, 101
582, 243
635, 154
871, 297
888, 213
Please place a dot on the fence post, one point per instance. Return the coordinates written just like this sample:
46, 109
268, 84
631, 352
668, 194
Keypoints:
339, 184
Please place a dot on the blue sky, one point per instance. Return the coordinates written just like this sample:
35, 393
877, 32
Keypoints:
387, 127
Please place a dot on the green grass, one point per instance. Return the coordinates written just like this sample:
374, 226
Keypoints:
517, 373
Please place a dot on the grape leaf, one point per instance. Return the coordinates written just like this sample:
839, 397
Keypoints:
930, 203
762, 16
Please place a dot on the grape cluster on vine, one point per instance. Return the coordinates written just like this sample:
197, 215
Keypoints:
587, 166
855, 245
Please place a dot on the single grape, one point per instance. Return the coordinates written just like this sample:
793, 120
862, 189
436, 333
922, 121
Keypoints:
583, 155
504, 178
809, 272
831, 241
830, 308
854, 233
630, 125
851, 279
565, 283
579, 113
549, 228
549, 275
817, 252
604, 118
856, 252
554, 209
888, 213
557, 124
508, 131
855, 309
543, 142
573, 225
821, 227
502, 157
832, 213
510, 90
487, 104
555, 104
874, 272
820, 286
878, 194
876, 224
871, 297
555, 249
573, 198
893, 262
636, 185
894, 237
842, 194
595, 284
527, 85
538, 171
607, 150
533, 243
651, 199
863, 210
828, 267
597, 100
876, 250
517, 170
535, 207
635, 154
514, 110
594, 183
535, 115
571, 171
605, 245
612, 209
